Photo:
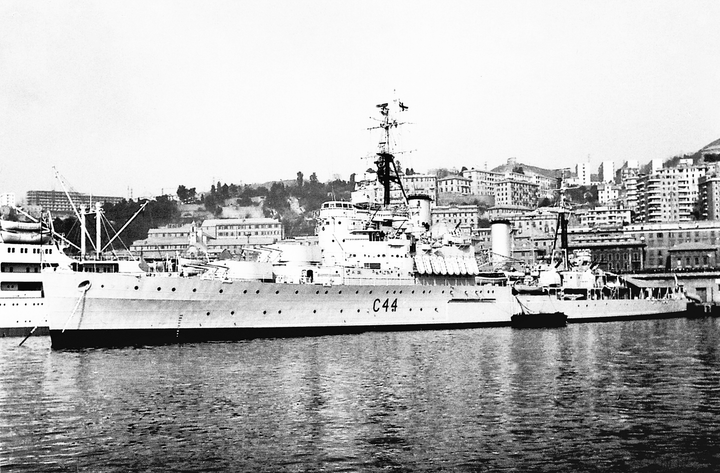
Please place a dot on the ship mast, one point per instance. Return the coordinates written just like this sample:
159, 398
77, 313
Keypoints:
387, 171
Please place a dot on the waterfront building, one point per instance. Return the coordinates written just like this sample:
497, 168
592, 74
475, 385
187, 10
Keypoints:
57, 202
692, 256
611, 250
661, 238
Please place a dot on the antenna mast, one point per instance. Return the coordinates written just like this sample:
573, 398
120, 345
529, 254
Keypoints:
387, 171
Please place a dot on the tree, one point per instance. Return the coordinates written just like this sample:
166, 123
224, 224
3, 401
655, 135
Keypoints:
299, 179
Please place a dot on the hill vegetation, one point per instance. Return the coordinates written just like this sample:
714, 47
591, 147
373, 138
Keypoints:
292, 202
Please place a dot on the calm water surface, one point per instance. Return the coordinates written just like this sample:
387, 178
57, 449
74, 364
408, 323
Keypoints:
624, 396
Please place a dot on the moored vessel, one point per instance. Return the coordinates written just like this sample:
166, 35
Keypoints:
576, 287
25, 248
377, 267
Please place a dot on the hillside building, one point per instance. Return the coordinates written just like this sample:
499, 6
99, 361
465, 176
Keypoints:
57, 202
669, 194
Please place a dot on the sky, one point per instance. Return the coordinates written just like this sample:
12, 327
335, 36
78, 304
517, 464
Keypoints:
133, 98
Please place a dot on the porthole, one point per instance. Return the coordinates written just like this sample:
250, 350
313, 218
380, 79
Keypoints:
277, 292
326, 292
317, 292
264, 311
232, 312
173, 289
245, 291
257, 292
158, 288
314, 311
296, 291
221, 291
194, 289
279, 311
208, 314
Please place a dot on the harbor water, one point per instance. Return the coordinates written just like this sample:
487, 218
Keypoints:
639, 396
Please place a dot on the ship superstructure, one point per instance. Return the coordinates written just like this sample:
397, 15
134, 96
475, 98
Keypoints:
375, 266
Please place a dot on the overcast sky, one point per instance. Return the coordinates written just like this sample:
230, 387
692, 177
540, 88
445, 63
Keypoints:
124, 96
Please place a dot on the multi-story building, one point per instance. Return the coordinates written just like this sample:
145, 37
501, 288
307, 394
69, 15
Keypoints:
7, 198
582, 170
611, 251
465, 218
669, 194
212, 237
607, 171
661, 238
482, 182
709, 190
57, 202
608, 193
628, 176
423, 184
511, 192
454, 185
243, 229
605, 217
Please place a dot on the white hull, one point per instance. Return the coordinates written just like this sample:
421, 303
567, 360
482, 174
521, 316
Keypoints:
117, 309
21, 316
587, 310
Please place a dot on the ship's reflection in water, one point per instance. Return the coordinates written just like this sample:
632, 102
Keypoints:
621, 396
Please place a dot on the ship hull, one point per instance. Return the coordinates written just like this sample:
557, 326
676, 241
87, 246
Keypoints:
587, 310
120, 310
19, 316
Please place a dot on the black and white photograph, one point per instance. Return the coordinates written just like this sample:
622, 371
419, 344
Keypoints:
359, 236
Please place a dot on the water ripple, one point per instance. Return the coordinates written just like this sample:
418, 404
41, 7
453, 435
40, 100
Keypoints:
627, 396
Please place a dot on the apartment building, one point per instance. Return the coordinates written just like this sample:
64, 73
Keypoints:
512, 192
462, 217
58, 203
669, 194
454, 185
421, 184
